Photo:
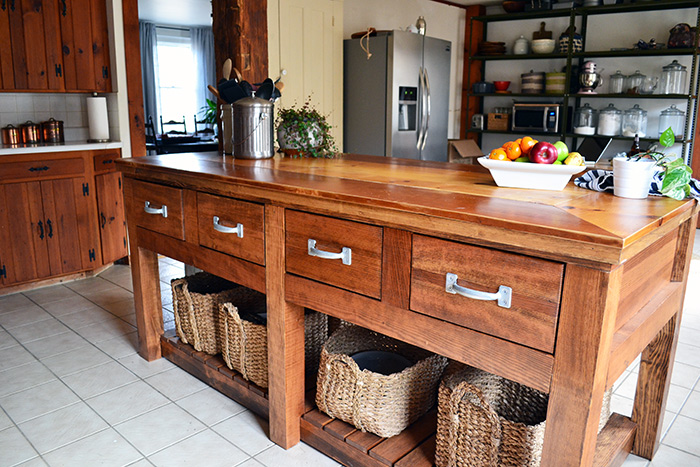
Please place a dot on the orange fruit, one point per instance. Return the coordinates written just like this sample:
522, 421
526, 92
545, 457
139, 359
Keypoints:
499, 155
513, 150
526, 144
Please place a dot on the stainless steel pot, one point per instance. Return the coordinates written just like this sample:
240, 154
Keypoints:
31, 132
253, 128
52, 131
11, 135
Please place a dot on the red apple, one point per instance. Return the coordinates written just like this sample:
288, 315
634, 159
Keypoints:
543, 153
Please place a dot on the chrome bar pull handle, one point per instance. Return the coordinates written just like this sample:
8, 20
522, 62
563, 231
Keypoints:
345, 254
503, 296
238, 230
163, 210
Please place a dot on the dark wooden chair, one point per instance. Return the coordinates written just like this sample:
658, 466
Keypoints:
202, 127
152, 141
173, 123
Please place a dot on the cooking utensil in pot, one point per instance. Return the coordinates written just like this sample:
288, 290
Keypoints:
237, 74
266, 89
30, 132
231, 91
52, 131
11, 135
226, 69
247, 88
214, 91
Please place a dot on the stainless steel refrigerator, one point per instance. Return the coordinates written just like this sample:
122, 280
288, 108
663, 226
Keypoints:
396, 102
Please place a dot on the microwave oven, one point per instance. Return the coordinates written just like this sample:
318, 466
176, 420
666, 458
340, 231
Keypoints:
536, 117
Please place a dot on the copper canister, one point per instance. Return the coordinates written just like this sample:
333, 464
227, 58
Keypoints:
10, 135
30, 132
52, 131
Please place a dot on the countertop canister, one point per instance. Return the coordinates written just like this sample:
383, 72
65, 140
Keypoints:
52, 131
30, 132
11, 135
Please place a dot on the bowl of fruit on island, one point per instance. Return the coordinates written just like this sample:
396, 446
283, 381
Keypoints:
528, 163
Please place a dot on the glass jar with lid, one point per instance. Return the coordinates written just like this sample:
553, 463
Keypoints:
609, 121
673, 78
617, 83
585, 120
634, 122
635, 81
674, 118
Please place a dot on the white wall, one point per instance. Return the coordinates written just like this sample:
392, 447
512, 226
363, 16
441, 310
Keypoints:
443, 22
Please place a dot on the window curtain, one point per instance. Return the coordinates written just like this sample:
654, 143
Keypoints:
205, 71
149, 70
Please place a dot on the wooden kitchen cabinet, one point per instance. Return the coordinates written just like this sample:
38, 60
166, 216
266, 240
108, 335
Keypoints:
110, 207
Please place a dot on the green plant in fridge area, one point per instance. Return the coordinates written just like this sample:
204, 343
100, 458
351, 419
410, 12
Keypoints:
677, 174
304, 131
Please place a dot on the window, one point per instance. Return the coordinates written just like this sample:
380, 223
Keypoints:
176, 75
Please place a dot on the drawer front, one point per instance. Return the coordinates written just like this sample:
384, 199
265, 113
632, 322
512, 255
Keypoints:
104, 162
158, 208
364, 242
232, 226
41, 169
536, 286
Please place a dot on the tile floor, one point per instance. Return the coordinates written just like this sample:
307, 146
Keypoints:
73, 391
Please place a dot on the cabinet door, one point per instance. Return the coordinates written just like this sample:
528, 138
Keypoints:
78, 60
110, 204
100, 45
7, 272
7, 77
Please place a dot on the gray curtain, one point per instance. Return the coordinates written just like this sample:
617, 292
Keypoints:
149, 70
203, 52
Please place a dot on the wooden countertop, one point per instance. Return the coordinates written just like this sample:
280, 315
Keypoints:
596, 227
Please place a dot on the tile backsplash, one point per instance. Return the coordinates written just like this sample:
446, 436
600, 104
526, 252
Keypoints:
17, 108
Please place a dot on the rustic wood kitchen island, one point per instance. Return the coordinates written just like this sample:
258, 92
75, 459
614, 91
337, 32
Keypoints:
596, 280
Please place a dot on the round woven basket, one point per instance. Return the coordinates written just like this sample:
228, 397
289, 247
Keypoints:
196, 301
381, 404
486, 420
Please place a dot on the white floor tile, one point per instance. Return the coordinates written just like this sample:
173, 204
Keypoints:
302, 454
35, 462
635, 461
39, 330
6, 340
667, 456
144, 369
100, 379
49, 294
22, 316
210, 406
38, 401
684, 375
5, 421
691, 409
85, 317
683, 435
15, 448
205, 448
141, 463
127, 402
127, 344
159, 428
90, 285
108, 329
76, 360
55, 345
106, 447
24, 377
250, 463
9, 303
247, 431
68, 305
14, 356
62, 427
122, 307
176, 383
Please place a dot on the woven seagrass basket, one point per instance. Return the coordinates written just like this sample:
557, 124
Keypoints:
488, 421
244, 341
381, 404
196, 301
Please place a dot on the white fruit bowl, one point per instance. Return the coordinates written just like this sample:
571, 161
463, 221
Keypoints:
530, 175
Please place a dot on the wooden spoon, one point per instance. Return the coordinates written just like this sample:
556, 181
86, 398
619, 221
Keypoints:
214, 91
238, 74
226, 69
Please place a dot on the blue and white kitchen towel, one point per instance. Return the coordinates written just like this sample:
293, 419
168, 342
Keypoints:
602, 180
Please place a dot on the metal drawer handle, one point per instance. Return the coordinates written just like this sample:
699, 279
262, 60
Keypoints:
503, 295
163, 210
345, 254
238, 230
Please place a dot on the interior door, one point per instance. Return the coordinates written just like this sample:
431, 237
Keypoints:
110, 204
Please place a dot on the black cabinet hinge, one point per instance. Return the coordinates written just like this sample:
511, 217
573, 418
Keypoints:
59, 71
3, 272
105, 72
86, 189
91, 254
124, 241
120, 183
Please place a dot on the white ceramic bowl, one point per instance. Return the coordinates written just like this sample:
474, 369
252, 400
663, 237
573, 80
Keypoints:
530, 175
543, 46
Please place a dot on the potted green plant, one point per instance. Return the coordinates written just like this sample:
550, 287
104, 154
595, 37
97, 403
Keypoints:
632, 176
304, 131
208, 112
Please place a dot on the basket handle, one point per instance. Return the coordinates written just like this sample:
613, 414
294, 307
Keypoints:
462, 391
182, 284
232, 313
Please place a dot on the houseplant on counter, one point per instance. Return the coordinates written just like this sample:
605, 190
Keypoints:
633, 174
304, 132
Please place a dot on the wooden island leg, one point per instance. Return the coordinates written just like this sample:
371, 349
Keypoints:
285, 334
149, 313
586, 326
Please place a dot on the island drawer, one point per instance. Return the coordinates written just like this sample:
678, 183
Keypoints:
158, 208
231, 226
41, 169
535, 290
315, 243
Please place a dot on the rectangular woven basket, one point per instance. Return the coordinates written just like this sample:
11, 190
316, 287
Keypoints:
381, 404
196, 301
244, 342
488, 421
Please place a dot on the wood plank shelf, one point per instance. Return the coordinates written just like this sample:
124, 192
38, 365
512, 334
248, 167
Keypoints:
212, 370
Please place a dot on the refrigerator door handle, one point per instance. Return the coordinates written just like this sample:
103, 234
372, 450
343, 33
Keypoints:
421, 86
427, 107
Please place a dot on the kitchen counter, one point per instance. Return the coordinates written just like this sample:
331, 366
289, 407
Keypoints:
596, 280
57, 147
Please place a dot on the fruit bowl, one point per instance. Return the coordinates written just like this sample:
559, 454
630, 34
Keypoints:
530, 175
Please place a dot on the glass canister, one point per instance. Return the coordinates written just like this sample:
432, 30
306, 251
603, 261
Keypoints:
617, 83
673, 78
672, 117
634, 122
585, 120
635, 81
609, 121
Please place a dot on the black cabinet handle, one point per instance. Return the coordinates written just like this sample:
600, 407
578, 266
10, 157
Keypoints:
4, 3
38, 169
103, 219
50, 227
63, 8
41, 230
108, 161
12, 5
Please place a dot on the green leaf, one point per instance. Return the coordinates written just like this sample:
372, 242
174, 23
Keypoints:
667, 138
676, 179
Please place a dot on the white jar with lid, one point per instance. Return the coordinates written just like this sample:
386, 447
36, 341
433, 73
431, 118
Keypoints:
617, 83
673, 78
585, 120
672, 117
521, 46
634, 122
609, 121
